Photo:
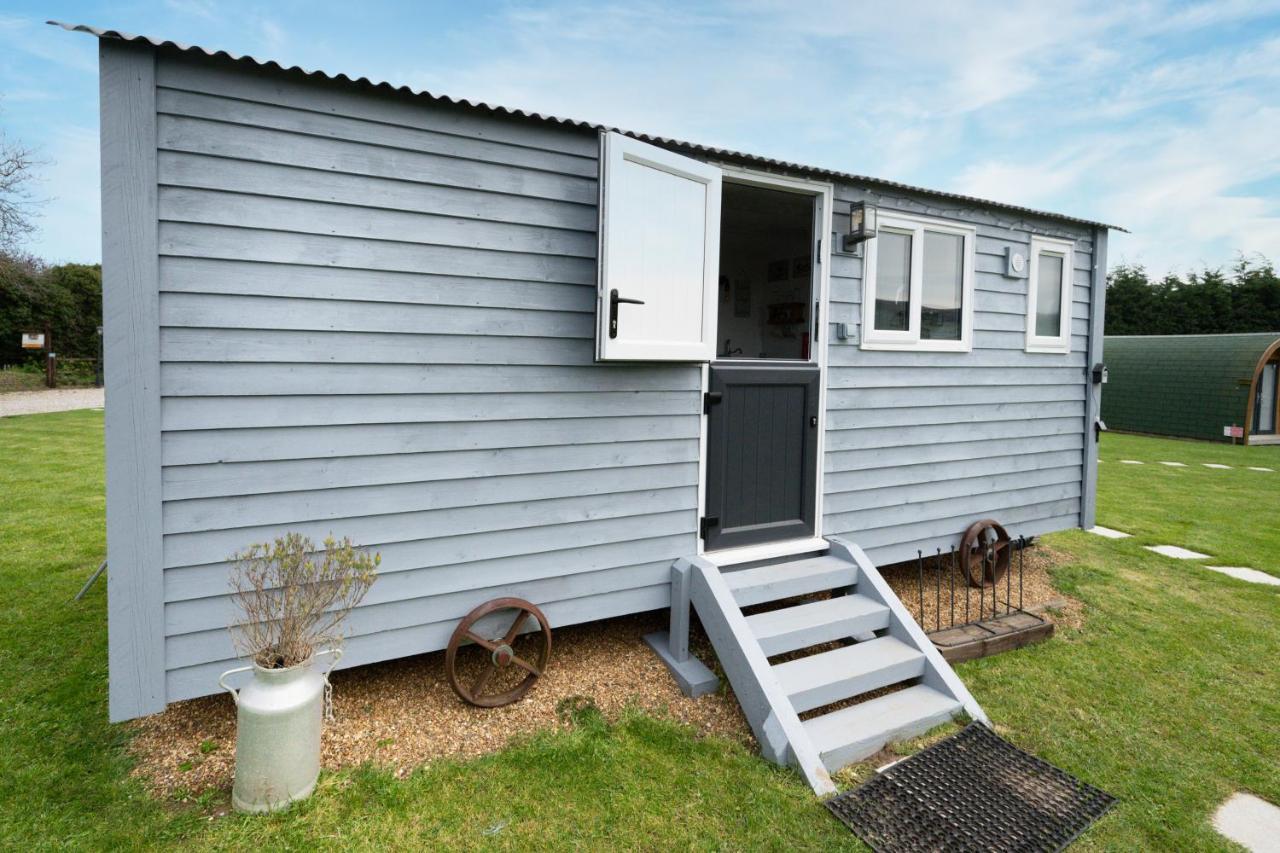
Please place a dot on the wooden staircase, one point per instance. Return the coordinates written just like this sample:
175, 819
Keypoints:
865, 641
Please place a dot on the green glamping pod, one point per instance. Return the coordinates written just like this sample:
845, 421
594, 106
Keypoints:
1216, 387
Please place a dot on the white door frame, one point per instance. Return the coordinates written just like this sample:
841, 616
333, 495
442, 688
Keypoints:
819, 351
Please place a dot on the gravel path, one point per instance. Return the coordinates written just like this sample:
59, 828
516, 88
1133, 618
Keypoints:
57, 400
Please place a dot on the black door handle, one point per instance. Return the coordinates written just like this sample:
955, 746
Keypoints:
614, 300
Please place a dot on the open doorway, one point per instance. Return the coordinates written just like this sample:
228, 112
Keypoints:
766, 273
764, 384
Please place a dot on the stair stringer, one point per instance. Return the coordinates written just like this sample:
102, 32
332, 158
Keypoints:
938, 674
773, 720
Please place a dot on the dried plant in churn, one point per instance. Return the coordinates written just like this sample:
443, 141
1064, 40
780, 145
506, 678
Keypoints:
292, 602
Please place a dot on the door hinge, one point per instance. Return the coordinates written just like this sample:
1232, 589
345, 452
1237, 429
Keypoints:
708, 522
709, 399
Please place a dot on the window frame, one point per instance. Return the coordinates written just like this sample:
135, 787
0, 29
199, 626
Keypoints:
1061, 342
916, 226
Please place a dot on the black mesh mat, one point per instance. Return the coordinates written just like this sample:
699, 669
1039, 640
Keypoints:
972, 791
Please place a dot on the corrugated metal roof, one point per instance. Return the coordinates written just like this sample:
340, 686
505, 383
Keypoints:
707, 150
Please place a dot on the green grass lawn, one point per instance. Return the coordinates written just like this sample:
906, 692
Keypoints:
1166, 698
1234, 515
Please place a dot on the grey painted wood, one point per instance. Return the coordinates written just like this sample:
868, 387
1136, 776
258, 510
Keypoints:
189, 549
282, 247
913, 437
450, 563
202, 171
204, 514
1093, 402
774, 722
937, 672
816, 622
213, 446
1028, 463
786, 580
177, 102
202, 275
253, 478
992, 450
854, 733
135, 585
954, 415
195, 136
762, 454
894, 542
201, 379
214, 77
304, 216
832, 676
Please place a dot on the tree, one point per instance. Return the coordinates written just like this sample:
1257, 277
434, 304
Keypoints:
1206, 302
16, 202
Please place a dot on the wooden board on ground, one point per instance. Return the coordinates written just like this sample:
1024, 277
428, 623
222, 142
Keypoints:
991, 636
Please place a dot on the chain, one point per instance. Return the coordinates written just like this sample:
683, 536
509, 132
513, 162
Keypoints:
328, 700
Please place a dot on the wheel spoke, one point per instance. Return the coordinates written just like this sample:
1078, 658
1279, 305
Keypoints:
481, 641
514, 630
482, 682
1000, 546
525, 665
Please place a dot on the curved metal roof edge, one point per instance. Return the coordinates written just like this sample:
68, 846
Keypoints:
585, 125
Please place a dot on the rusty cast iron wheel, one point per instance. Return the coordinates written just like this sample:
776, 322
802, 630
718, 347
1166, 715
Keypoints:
984, 552
501, 653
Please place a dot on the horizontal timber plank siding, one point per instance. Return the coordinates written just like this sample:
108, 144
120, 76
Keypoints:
919, 444
377, 321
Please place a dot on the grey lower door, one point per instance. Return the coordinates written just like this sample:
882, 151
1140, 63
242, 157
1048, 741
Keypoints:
762, 454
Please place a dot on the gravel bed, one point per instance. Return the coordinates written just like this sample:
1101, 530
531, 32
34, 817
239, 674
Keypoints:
402, 713
52, 400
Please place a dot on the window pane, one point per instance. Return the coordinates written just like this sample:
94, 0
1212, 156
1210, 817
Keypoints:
893, 281
1049, 296
943, 279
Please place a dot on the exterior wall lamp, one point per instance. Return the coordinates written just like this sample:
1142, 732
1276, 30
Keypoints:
862, 225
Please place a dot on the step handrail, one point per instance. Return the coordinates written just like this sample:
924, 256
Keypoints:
938, 673
768, 709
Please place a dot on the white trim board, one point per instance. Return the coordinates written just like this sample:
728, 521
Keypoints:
824, 193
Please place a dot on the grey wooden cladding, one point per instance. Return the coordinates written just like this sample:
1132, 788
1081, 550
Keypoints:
178, 413
310, 217
200, 514
136, 644
224, 479
216, 446
376, 320
200, 379
920, 444
451, 562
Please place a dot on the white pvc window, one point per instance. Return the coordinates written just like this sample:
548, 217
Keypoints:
1049, 295
918, 285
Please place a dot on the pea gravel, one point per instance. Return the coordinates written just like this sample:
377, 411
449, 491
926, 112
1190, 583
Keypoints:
401, 713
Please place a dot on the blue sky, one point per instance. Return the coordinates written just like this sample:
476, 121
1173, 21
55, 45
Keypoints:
1162, 117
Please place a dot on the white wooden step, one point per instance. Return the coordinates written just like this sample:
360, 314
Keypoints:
817, 622
849, 671
785, 580
845, 736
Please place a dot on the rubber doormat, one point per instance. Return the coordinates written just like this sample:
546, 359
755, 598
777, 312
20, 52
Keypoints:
972, 791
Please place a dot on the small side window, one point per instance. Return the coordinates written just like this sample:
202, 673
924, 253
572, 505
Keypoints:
918, 286
1049, 295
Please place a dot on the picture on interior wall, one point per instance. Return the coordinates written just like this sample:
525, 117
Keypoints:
801, 267
779, 270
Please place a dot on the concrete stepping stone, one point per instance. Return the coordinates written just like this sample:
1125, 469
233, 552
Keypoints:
1131, 462
1244, 574
1254, 468
1108, 533
1176, 552
1216, 465
1175, 464
1249, 821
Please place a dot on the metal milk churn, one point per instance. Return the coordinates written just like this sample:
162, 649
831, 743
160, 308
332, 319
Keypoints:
279, 716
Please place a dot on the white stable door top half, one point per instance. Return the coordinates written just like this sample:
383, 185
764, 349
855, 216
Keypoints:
659, 254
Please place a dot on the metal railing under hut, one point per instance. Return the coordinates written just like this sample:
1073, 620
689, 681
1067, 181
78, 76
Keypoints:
978, 606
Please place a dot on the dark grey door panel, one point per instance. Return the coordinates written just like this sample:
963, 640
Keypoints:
762, 453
